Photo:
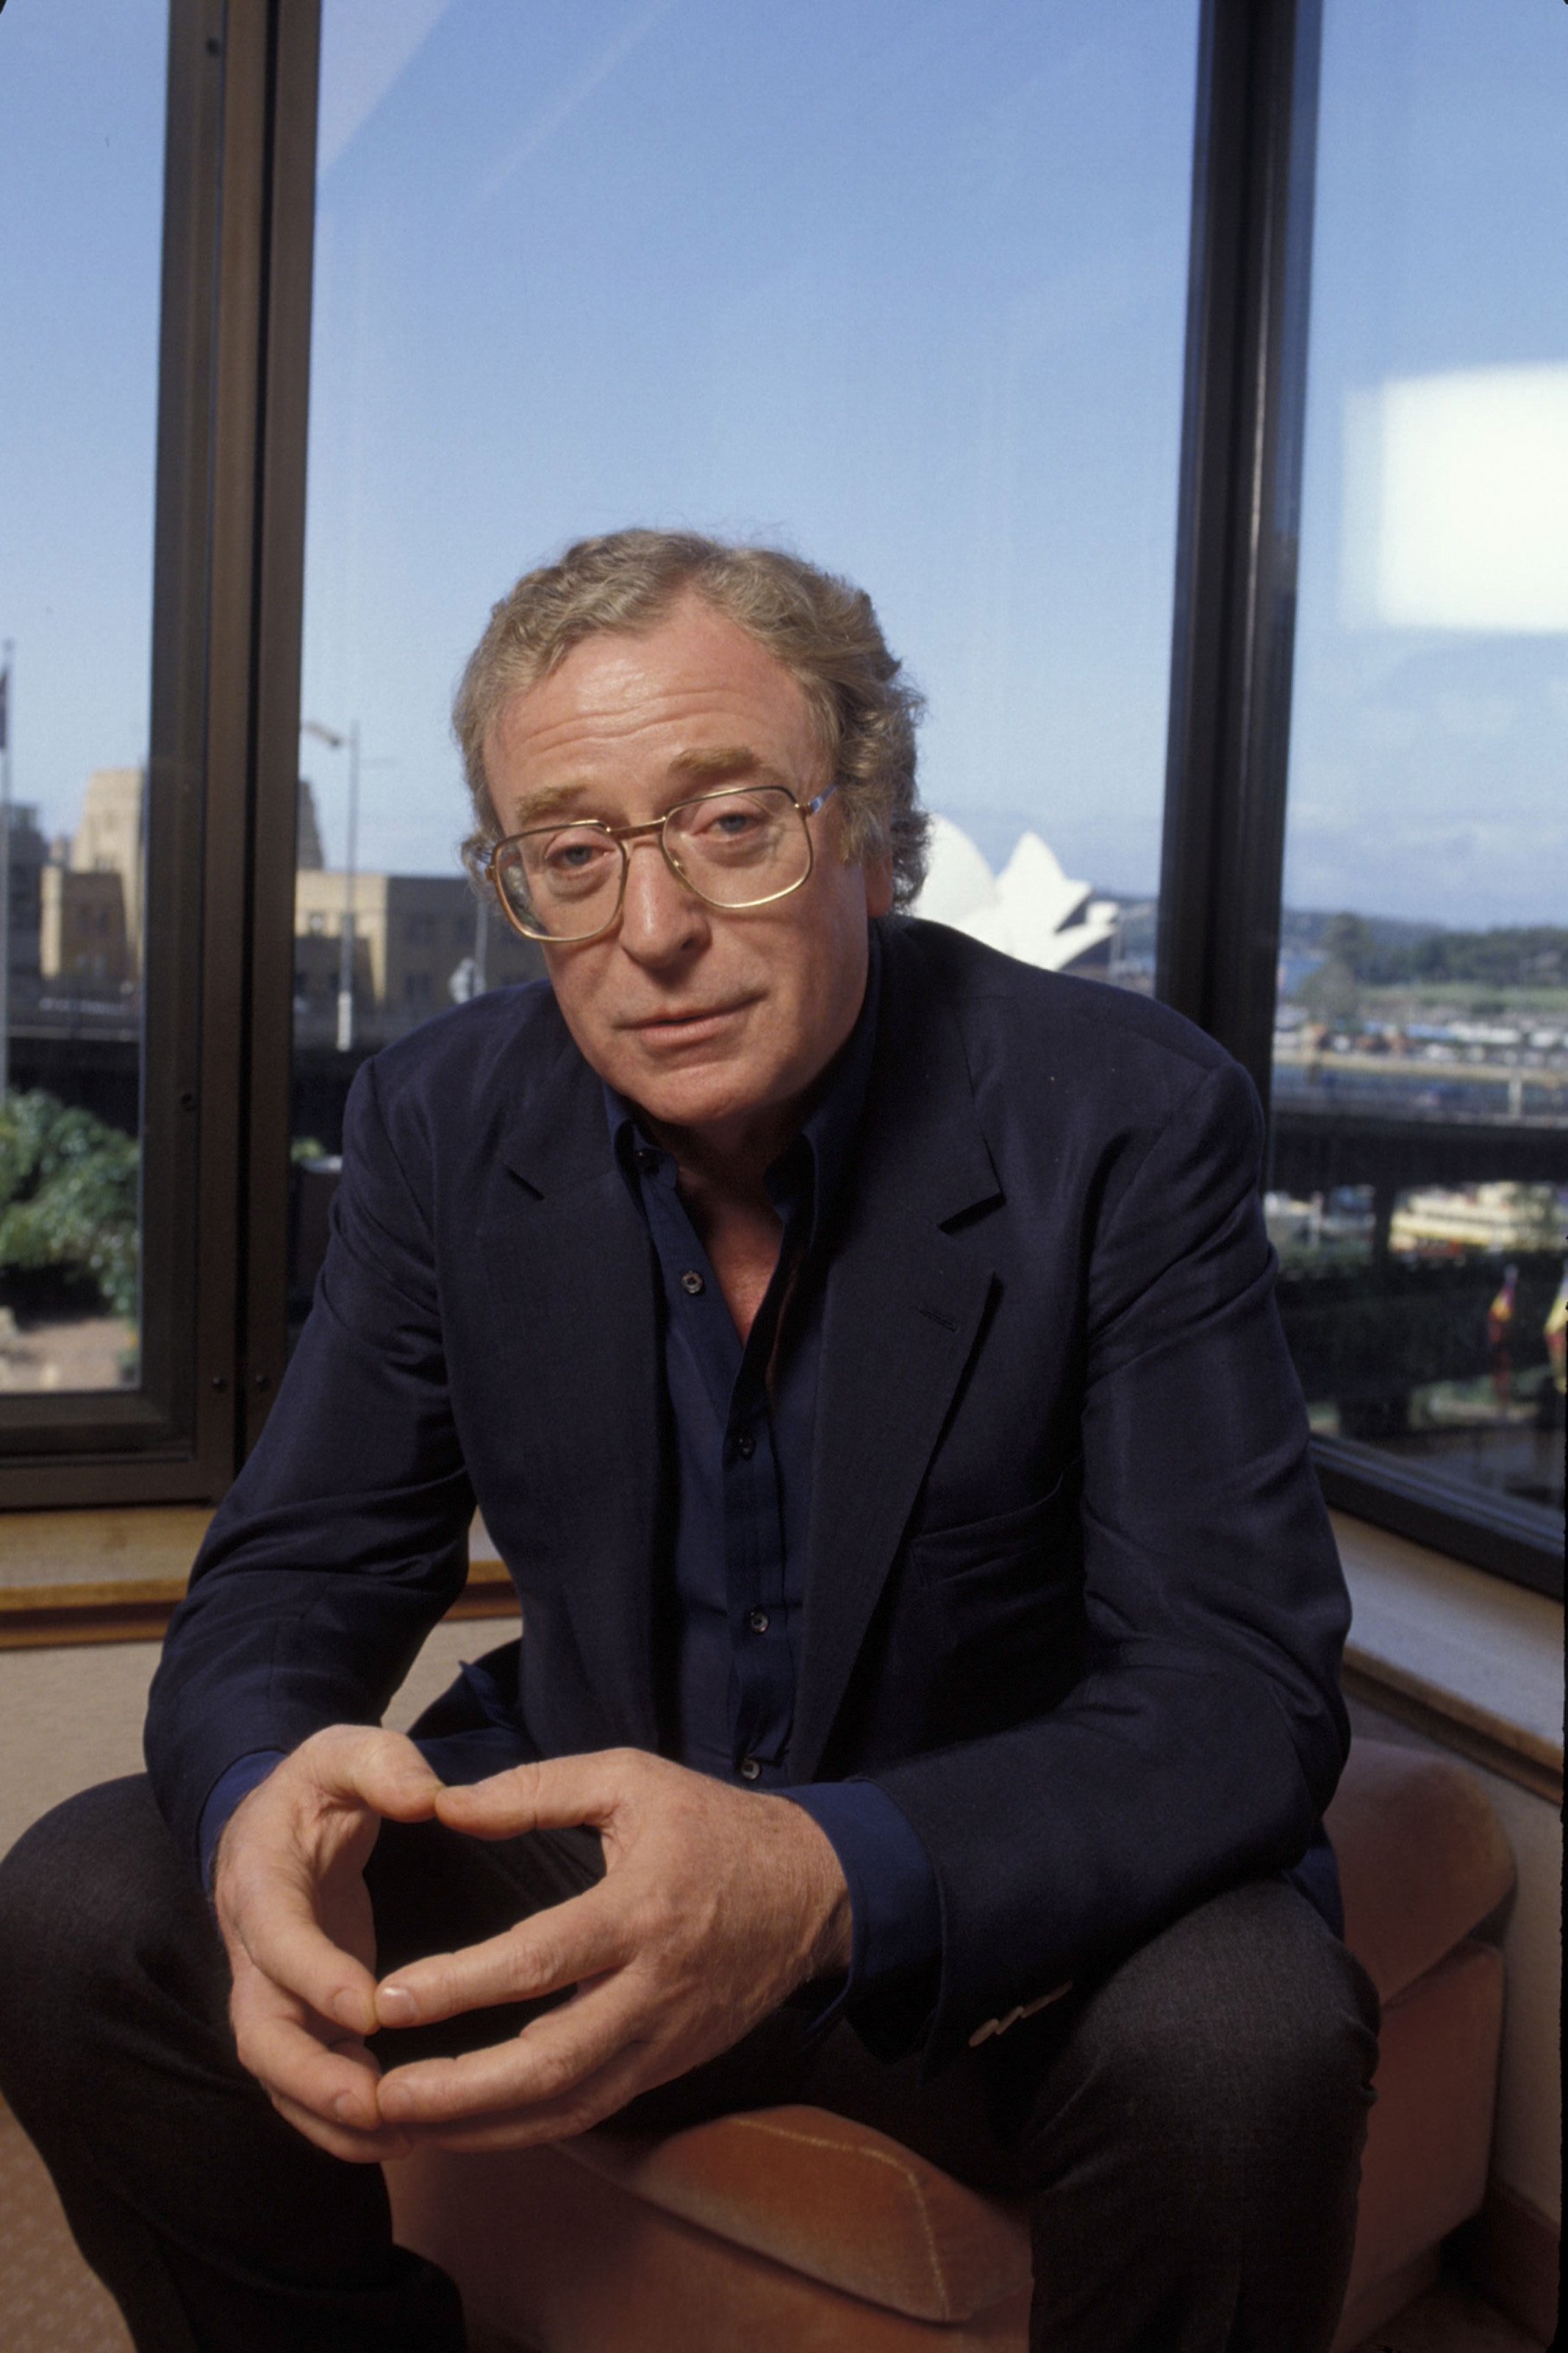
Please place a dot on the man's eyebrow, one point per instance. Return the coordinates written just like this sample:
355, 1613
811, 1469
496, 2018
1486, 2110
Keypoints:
719, 764
546, 803
716, 763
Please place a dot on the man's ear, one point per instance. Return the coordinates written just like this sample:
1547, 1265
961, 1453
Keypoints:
879, 872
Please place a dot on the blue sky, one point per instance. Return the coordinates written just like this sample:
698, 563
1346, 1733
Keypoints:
900, 282
81, 173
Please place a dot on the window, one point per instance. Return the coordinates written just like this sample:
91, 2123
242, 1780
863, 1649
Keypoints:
135, 169
1419, 1185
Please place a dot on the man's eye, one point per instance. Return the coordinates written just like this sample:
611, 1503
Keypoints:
569, 862
719, 821
574, 853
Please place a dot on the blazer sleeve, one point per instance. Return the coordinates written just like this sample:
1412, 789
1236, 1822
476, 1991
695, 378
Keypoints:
1205, 1737
346, 1537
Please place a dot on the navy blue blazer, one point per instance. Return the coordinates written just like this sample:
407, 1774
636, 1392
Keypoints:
1071, 1595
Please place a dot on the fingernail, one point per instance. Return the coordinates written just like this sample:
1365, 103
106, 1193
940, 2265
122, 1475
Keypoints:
348, 2008
348, 2109
396, 2006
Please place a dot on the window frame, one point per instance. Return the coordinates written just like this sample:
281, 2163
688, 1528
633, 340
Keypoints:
1227, 781
228, 609
227, 572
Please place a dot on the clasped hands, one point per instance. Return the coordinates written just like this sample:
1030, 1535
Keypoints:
715, 1905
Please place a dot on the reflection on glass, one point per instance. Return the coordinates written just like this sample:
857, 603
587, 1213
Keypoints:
81, 148
1420, 1175
902, 287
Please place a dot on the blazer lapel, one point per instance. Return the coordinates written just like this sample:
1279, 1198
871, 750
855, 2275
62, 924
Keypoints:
906, 1300
572, 1276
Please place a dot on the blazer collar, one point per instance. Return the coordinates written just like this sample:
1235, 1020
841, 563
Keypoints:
555, 1138
908, 1287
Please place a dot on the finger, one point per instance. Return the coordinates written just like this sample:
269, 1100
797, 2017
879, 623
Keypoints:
583, 1937
303, 2058
603, 2094
339, 2140
557, 1794
284, 1940
547, 2061
293, 2062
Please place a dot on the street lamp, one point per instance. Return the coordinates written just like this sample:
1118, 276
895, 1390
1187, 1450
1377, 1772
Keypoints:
335, 743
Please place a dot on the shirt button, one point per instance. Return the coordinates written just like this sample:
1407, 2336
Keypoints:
691, 1283
750, 1770
745, 1446
758, 1621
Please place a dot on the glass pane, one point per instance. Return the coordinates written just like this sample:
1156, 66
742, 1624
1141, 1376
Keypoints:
1420, 1175
81, 173
900, 286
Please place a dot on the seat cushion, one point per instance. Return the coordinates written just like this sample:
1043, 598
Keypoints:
835, 2199
1423, 1860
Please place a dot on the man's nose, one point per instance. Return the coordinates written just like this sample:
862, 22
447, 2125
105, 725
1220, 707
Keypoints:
660, 919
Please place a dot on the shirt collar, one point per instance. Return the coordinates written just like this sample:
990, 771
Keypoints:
811, 1166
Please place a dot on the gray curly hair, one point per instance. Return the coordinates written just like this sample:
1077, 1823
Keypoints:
823, 630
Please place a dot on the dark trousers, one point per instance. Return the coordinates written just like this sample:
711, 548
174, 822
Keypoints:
1189, 2128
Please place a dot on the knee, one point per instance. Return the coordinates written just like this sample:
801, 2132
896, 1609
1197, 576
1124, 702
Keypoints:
1247, 2025
81, 1891
1302, 2021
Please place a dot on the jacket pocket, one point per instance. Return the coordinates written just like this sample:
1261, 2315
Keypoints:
1002, 1540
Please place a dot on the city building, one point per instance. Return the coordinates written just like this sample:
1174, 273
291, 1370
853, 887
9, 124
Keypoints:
109, 842
421, 943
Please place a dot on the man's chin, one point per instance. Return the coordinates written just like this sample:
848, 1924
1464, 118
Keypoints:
709, 1093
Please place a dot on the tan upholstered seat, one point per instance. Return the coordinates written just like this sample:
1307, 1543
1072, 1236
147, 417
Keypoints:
781, 2183
790, 2229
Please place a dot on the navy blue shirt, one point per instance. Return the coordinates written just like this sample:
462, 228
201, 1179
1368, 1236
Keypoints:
743, 1416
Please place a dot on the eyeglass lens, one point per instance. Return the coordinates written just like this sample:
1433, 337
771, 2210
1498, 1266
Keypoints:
735, 850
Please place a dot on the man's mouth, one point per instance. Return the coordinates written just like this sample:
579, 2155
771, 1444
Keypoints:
684, 1018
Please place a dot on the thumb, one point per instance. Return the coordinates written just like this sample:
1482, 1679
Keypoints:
382, 1770
560, 1793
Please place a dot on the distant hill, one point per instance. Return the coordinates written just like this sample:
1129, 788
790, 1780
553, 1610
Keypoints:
1303, 930
1378, 952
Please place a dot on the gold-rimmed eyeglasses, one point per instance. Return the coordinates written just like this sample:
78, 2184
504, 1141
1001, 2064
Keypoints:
744, 846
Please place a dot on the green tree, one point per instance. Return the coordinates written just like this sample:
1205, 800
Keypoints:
1330, 992
1349, 940
68, 1195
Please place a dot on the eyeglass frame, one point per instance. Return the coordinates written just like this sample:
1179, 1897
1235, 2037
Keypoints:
621, 834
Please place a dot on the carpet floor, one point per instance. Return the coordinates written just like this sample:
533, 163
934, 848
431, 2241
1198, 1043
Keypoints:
50, 2302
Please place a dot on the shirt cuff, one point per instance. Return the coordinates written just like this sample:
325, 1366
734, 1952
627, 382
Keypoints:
895, 1910
246, 1773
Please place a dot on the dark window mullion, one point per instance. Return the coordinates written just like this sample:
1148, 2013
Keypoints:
294, 70
1238, 519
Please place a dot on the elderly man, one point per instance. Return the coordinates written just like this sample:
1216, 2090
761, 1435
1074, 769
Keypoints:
862, 1350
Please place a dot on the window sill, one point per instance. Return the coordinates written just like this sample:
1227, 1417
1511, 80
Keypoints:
115, 1575
1462, 1656
1467, 1658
